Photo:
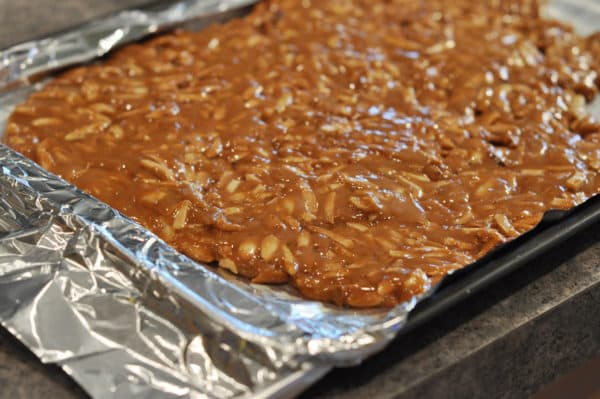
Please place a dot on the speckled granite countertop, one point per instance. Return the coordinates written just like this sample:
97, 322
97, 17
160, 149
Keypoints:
520, 334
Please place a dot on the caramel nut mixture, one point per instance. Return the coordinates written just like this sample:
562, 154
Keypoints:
359, 150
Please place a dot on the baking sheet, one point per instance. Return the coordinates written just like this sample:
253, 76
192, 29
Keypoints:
126, 315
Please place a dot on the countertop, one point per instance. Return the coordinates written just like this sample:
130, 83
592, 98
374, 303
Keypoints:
507, 342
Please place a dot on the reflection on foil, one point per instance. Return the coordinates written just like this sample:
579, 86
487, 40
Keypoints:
122, 312
73, 295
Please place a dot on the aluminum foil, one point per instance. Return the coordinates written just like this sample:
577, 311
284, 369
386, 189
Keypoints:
123, 313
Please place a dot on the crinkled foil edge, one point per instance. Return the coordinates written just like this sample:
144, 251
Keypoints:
118, 309
122, 312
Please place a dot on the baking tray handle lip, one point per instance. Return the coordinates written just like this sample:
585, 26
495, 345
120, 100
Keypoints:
555, 227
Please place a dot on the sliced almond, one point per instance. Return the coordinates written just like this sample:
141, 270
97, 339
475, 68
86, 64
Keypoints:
330, 207
269, 247
247, 249
228, 264
181, 214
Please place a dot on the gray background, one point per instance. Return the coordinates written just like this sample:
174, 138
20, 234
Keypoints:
23, 20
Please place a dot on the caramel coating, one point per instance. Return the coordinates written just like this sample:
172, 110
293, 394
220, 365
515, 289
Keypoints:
359, 150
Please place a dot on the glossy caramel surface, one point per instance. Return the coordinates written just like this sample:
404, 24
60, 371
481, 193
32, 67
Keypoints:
360, 150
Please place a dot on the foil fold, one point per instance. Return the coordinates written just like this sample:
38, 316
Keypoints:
123, 313
72, 293
98, 37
